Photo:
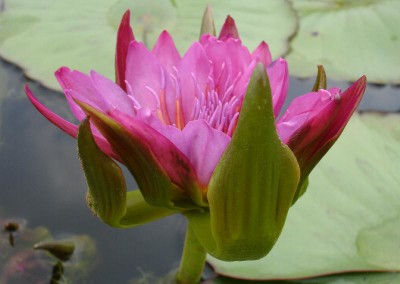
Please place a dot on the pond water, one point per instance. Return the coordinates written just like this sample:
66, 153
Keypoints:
41, 181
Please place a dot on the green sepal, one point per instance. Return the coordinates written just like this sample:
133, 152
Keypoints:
107, 196
154, 184
200, 223
254, 183
320, 80
301, 189
207, 23
139, 212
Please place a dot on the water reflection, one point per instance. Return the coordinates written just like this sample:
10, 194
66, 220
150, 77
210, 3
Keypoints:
41, 179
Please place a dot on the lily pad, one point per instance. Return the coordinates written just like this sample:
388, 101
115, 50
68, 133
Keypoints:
40, 36
350, 38
349, 219
358, 278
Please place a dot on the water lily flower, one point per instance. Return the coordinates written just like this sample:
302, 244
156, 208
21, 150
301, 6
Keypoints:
201, 134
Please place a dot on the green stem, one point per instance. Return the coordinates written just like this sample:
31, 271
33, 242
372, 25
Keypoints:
193, 260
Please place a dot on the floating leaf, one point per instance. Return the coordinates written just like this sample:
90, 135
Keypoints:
349, 218
359, 278
350, 38
40, 36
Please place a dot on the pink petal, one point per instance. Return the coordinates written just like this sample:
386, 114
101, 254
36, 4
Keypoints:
205, 148
82, 84
314, 121
166, 52
168, 56
61, 123
262, 54
124, 37
229, 29
112, 94
171, 159
193, 72
348, 102
144, 75
278, 75
298, 113
172, 133
65, 125
229, 57
94, 90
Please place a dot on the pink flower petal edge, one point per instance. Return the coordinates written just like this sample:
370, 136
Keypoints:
124, 37
65, 125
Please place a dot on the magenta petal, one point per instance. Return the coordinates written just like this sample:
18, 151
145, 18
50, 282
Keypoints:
262, 54
82, 85
193, 72
65, 125
112, 94
205, 148
313, 122
347, 103
124, 37
298, 113
168, 56
170, 132
229, 29
166, 52
278, 75
229, 57
144, 75
171, 159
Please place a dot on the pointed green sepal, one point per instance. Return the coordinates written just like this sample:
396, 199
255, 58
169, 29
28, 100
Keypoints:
154, 183
301, 189
207, 24
254, 183
320, 80
107, 196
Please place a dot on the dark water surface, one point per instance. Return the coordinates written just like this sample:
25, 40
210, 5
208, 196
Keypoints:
42, 182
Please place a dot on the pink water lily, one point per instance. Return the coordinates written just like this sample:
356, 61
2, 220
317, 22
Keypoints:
183, 110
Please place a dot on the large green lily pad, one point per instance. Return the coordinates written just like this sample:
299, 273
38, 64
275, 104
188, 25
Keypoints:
40, 36
349, 219
349, 37
356, 278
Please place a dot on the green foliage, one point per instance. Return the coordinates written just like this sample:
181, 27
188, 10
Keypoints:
350, 38
348, 219
40, 36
